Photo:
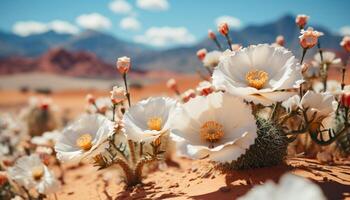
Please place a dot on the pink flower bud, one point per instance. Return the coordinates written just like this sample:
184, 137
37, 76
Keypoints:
345, 43
211, 35
204, 88
123, 64
45, 158
118, 94
201, 53
172, 84
223, 28
3, 178
309, 38
187, 95
280, 40
90, 99
345, 99
301, 20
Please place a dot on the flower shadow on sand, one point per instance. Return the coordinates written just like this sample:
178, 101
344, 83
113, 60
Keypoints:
327, 177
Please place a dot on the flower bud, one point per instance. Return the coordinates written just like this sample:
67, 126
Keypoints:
301, 20
118, 94
172, 84
345, 43
280, 40
201, 53
123, 64
187, 95
3, 178
90, 99
309, 38
211, 34
223, 28
204, 88
345, 99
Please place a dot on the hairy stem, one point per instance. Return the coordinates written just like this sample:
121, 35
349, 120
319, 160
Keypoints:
217, 44
303, 56
126, 89
229, 41
132, 151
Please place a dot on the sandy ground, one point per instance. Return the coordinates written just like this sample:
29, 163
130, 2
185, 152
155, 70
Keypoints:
186, 179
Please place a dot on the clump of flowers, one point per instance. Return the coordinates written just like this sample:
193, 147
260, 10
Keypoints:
40, 116
31, 178
272, 84
130, 138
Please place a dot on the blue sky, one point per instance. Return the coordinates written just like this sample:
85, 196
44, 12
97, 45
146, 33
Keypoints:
162, 22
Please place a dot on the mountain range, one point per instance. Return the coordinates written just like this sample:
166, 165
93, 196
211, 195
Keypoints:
92, 48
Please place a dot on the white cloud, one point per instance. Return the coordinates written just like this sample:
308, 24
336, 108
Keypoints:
93, 21
25, 28
130, 23
60, 26
154, 5
120, 6
165, 36
345, 30
231, 21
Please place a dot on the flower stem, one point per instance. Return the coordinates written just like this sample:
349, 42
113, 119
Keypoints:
343, 77
113, 108
217, 44
132, 151
302, 57
229, 41
126, 89
324, 67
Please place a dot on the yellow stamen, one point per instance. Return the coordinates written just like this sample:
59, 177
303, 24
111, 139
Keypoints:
84, 142
211, 131
257, 78
37, 172
154, 123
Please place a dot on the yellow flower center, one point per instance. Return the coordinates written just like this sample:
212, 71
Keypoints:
154, 123
257, 78
211, 131
84, 142
37, 172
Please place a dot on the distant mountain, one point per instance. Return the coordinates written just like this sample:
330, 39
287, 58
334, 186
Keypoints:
59, 61
108, 48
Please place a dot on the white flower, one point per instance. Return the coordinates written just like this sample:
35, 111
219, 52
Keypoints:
292, 103
30, 172
47, 139
333, 87
329, 59
83, 137
4, 150
290, 187
318, 104
259, 73
206, 126
212, 59
150, 118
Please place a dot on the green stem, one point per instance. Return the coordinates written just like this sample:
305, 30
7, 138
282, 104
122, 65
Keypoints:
229, 41
114, 107
217, 44
302, 57
126, 89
